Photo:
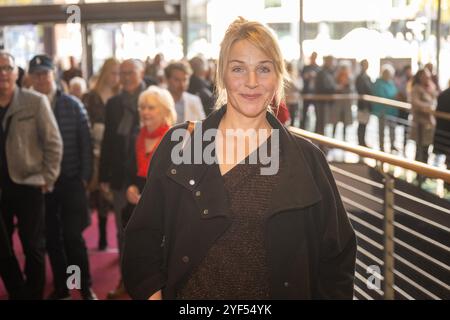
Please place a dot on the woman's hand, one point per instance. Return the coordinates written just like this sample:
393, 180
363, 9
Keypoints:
156, 296
104, 187
133, 194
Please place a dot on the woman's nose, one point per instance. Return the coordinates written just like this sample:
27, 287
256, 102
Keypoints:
252, 80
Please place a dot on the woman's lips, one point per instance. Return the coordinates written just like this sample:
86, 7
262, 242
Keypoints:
250, 96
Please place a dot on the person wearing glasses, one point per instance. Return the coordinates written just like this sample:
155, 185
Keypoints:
30, 162
121, 122
66, 206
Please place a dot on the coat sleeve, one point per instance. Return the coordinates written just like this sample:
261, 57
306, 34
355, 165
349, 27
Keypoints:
85, 143
337, 243
51, 141
106, 153
142, 256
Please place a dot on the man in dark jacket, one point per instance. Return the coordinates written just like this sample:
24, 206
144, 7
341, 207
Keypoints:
309, 74
363, 86
310, 244
442, 134
121, 124
325, 84
66, 205
198, 84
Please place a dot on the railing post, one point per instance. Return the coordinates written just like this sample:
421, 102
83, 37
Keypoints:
388, 258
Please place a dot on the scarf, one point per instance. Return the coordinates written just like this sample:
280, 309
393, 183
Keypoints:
142, 157
130, 113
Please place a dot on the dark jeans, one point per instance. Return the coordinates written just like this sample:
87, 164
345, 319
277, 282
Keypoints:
322, 110
9, 268
306, 104
66, 218
98, 201
293, 109
422, 154
27, 204
362, 134
384, 121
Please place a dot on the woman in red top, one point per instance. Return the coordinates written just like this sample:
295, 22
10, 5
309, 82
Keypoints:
157, 113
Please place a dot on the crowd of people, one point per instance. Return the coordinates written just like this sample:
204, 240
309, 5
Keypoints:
421, 90
66, 150
69, 147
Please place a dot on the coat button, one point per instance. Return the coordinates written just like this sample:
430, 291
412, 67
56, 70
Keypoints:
191, 182
197, 193
205, 212
286, 284
173, 171
185, 259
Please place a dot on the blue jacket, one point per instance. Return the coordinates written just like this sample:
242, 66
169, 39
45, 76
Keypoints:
388, 90
73, 123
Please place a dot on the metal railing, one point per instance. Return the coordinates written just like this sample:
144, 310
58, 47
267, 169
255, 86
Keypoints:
403, 232
441, 138
405, 106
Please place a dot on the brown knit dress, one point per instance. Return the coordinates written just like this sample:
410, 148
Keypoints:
235, 267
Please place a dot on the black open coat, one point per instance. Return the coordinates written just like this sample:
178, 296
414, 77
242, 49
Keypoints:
442, 133
310, 242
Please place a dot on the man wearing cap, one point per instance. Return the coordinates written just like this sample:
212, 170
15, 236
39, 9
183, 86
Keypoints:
30, 158
66, 206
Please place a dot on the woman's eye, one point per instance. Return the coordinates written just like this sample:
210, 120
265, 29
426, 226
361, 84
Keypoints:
237, 69
264, 69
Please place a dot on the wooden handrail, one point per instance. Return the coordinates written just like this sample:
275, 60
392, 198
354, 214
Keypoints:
389, 102
405, 106
419, 167
331, 97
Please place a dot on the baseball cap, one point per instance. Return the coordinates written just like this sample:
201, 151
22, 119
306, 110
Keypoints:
40, 62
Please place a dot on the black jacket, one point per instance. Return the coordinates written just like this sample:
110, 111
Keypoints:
116, 148
364, 85
442, 133
73, 123
325, 82
200, 88
310, 242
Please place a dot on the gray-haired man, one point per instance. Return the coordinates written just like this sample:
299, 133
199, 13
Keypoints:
30, 160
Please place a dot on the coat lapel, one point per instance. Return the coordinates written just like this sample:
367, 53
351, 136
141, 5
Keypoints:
297, 188
202, 180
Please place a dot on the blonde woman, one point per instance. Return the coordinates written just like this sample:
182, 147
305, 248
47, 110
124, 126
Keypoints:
157, 114
106, 86
240, 227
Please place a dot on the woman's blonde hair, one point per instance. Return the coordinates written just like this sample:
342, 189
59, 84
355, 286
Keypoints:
103, 75
164, 102
262, 38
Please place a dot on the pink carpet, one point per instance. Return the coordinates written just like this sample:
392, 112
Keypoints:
104, 265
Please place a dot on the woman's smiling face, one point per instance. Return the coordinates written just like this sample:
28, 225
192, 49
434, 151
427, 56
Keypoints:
250, 79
